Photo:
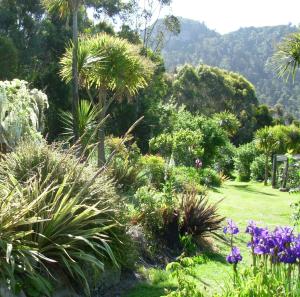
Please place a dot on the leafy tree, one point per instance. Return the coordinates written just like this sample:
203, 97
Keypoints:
110, 68
267, 143
247, 51
64, 7
9, 59
228, 122
207, 90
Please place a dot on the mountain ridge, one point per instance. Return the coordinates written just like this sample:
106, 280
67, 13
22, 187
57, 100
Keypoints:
246, 51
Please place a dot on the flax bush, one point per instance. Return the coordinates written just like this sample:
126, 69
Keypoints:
57, 218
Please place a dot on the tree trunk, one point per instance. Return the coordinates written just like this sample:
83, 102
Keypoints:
266, 170
75, 94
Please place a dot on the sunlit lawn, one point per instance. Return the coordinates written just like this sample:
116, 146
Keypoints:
241, 202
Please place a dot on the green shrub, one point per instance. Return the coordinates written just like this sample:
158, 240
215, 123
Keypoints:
154, 168
158, 214
257, 168
244, 156
209, 177
125, 168
186, 178
184, 145
57, 217
224, 159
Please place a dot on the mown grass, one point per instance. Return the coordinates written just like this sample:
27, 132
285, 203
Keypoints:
241, 202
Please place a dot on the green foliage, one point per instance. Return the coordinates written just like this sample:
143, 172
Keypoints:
208, 90
116, 65
247, 51
185, 146
155, 168
228, 122
9, 59
186, 178
21, 112
224, 159
157, 213
182, 271
263, 282
209, 177
57, 216
257, 168
86, 123
125, 168
245, 154
188, 137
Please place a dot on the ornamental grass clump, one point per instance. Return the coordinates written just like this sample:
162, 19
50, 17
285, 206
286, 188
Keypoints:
59, 222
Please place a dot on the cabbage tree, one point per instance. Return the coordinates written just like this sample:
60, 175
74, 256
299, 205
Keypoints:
110, 69
21, 113
286, 59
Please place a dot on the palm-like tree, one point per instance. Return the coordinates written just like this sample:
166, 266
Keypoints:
267, 142
65, 7
112, 69
286, 59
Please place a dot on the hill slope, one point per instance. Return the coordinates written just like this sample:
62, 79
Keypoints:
245, 51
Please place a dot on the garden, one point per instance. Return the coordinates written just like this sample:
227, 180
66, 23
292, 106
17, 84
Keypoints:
136, 188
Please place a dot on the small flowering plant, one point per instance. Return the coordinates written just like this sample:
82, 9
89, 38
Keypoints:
277, 250
198, 163
231, 229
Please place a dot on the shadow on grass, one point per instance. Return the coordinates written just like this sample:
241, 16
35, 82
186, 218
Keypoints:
249, 189
147, 290
215, 257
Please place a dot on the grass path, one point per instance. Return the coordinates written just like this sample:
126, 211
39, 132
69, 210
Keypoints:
241, 202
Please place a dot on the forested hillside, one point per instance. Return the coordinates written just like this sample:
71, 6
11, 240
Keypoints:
246, 51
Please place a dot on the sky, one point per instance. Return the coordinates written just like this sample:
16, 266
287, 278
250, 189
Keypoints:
229, 15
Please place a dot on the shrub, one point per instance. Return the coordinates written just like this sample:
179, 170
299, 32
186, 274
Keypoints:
125, 168
154, 168
199, 218
186, 178
257, 168
158, 215
167, 220
57, 217
209, 177
224, 159
184, 145
21, 113
245, 155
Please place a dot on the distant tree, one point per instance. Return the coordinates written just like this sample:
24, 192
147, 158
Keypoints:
267, 143
72, 7
208, 90
9, 59
110, 68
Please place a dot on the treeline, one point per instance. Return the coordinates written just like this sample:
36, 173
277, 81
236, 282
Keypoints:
246, 51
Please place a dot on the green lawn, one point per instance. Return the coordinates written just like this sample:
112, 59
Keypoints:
241, 202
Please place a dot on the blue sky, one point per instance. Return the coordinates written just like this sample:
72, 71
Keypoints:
228, 15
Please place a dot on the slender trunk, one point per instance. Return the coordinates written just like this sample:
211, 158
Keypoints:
101, 132
75, 94
266, 170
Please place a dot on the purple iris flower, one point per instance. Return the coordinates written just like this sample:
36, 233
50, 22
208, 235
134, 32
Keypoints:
231, 228
235, 256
